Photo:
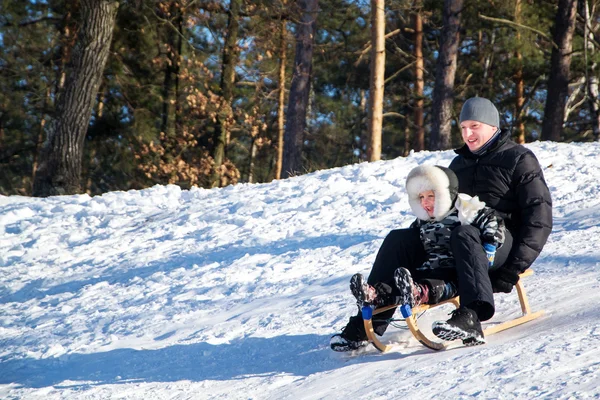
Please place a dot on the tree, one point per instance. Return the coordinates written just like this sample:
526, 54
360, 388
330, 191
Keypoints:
300, 88
440, 138
171, 29
281, 96
59, 169
167, 61
419, 129
29, 61
560, 62
503, 48
377, 79
225, 115
592, 81
519, 81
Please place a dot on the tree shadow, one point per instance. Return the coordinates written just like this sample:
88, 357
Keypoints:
225, 254
300, 355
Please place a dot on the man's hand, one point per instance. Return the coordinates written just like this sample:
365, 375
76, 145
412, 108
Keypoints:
504, 279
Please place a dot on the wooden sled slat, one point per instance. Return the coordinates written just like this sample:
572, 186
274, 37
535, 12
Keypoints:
435, 345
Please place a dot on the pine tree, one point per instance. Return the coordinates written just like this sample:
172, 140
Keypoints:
59, 169
445, 75
300, 88
558, 80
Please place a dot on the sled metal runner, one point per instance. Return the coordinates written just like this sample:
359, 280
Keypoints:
411, 321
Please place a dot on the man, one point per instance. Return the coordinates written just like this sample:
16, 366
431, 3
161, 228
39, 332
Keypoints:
509, 179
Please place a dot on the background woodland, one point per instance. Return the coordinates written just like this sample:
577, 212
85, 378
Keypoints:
99, 95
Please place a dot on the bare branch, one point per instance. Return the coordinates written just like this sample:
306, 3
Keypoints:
367, 49
393, 114
395, 74
516, 25
33, 21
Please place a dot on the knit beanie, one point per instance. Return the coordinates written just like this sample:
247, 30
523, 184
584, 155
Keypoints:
441, 180
480, 109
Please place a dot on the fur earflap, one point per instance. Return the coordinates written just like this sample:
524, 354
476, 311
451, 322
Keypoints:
468, 207
442, 181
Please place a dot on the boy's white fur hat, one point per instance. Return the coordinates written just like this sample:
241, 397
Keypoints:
441, 180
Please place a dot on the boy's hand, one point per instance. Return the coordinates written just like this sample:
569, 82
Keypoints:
491, 226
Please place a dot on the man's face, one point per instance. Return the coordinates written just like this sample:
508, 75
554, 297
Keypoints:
476, 134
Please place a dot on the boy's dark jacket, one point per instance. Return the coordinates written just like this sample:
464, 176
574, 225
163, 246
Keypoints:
509, 179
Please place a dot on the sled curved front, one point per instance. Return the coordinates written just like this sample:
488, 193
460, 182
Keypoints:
411, 321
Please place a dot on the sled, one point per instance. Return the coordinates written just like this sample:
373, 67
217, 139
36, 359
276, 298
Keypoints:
411, 320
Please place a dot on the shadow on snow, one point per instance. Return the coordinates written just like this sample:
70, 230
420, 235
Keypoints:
224, 255
300, 355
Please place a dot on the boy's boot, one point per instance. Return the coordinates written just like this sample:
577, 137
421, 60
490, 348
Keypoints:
411, 293
351, 338
379, 295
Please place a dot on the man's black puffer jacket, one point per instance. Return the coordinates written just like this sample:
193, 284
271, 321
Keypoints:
508, 177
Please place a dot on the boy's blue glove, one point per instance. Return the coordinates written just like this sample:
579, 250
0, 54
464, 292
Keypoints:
490, 252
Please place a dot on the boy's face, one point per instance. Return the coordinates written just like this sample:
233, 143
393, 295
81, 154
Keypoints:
427, 200
476, 134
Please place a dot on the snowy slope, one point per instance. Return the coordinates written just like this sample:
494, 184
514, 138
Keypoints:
233, 293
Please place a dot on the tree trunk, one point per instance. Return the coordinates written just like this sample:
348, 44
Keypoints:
376, 86
594, 100
224, 116
560, 64
488, 70
2, 118
519, 100
281, 100
166, 98
67, 42
40, 137
444, 77
177, 73
253, 152
2, 127
91, 162
59, 170
407, 141
299, 89
359, 134
592, 79
419, 136
172, 38
519, 81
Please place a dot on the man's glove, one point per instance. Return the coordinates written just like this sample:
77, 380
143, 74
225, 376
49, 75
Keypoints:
504, 279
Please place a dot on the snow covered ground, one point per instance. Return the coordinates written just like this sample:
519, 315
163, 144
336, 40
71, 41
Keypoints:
233, 293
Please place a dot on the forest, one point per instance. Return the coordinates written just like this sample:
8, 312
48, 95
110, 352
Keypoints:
106, 95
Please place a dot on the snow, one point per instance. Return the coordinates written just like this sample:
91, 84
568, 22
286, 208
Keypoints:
233, 293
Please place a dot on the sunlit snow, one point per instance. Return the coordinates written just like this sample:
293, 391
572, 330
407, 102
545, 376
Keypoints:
233, 293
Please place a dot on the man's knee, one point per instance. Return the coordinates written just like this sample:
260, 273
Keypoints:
398, 239
402, 235
400, 248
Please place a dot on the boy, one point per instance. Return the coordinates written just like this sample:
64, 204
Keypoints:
432, 193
